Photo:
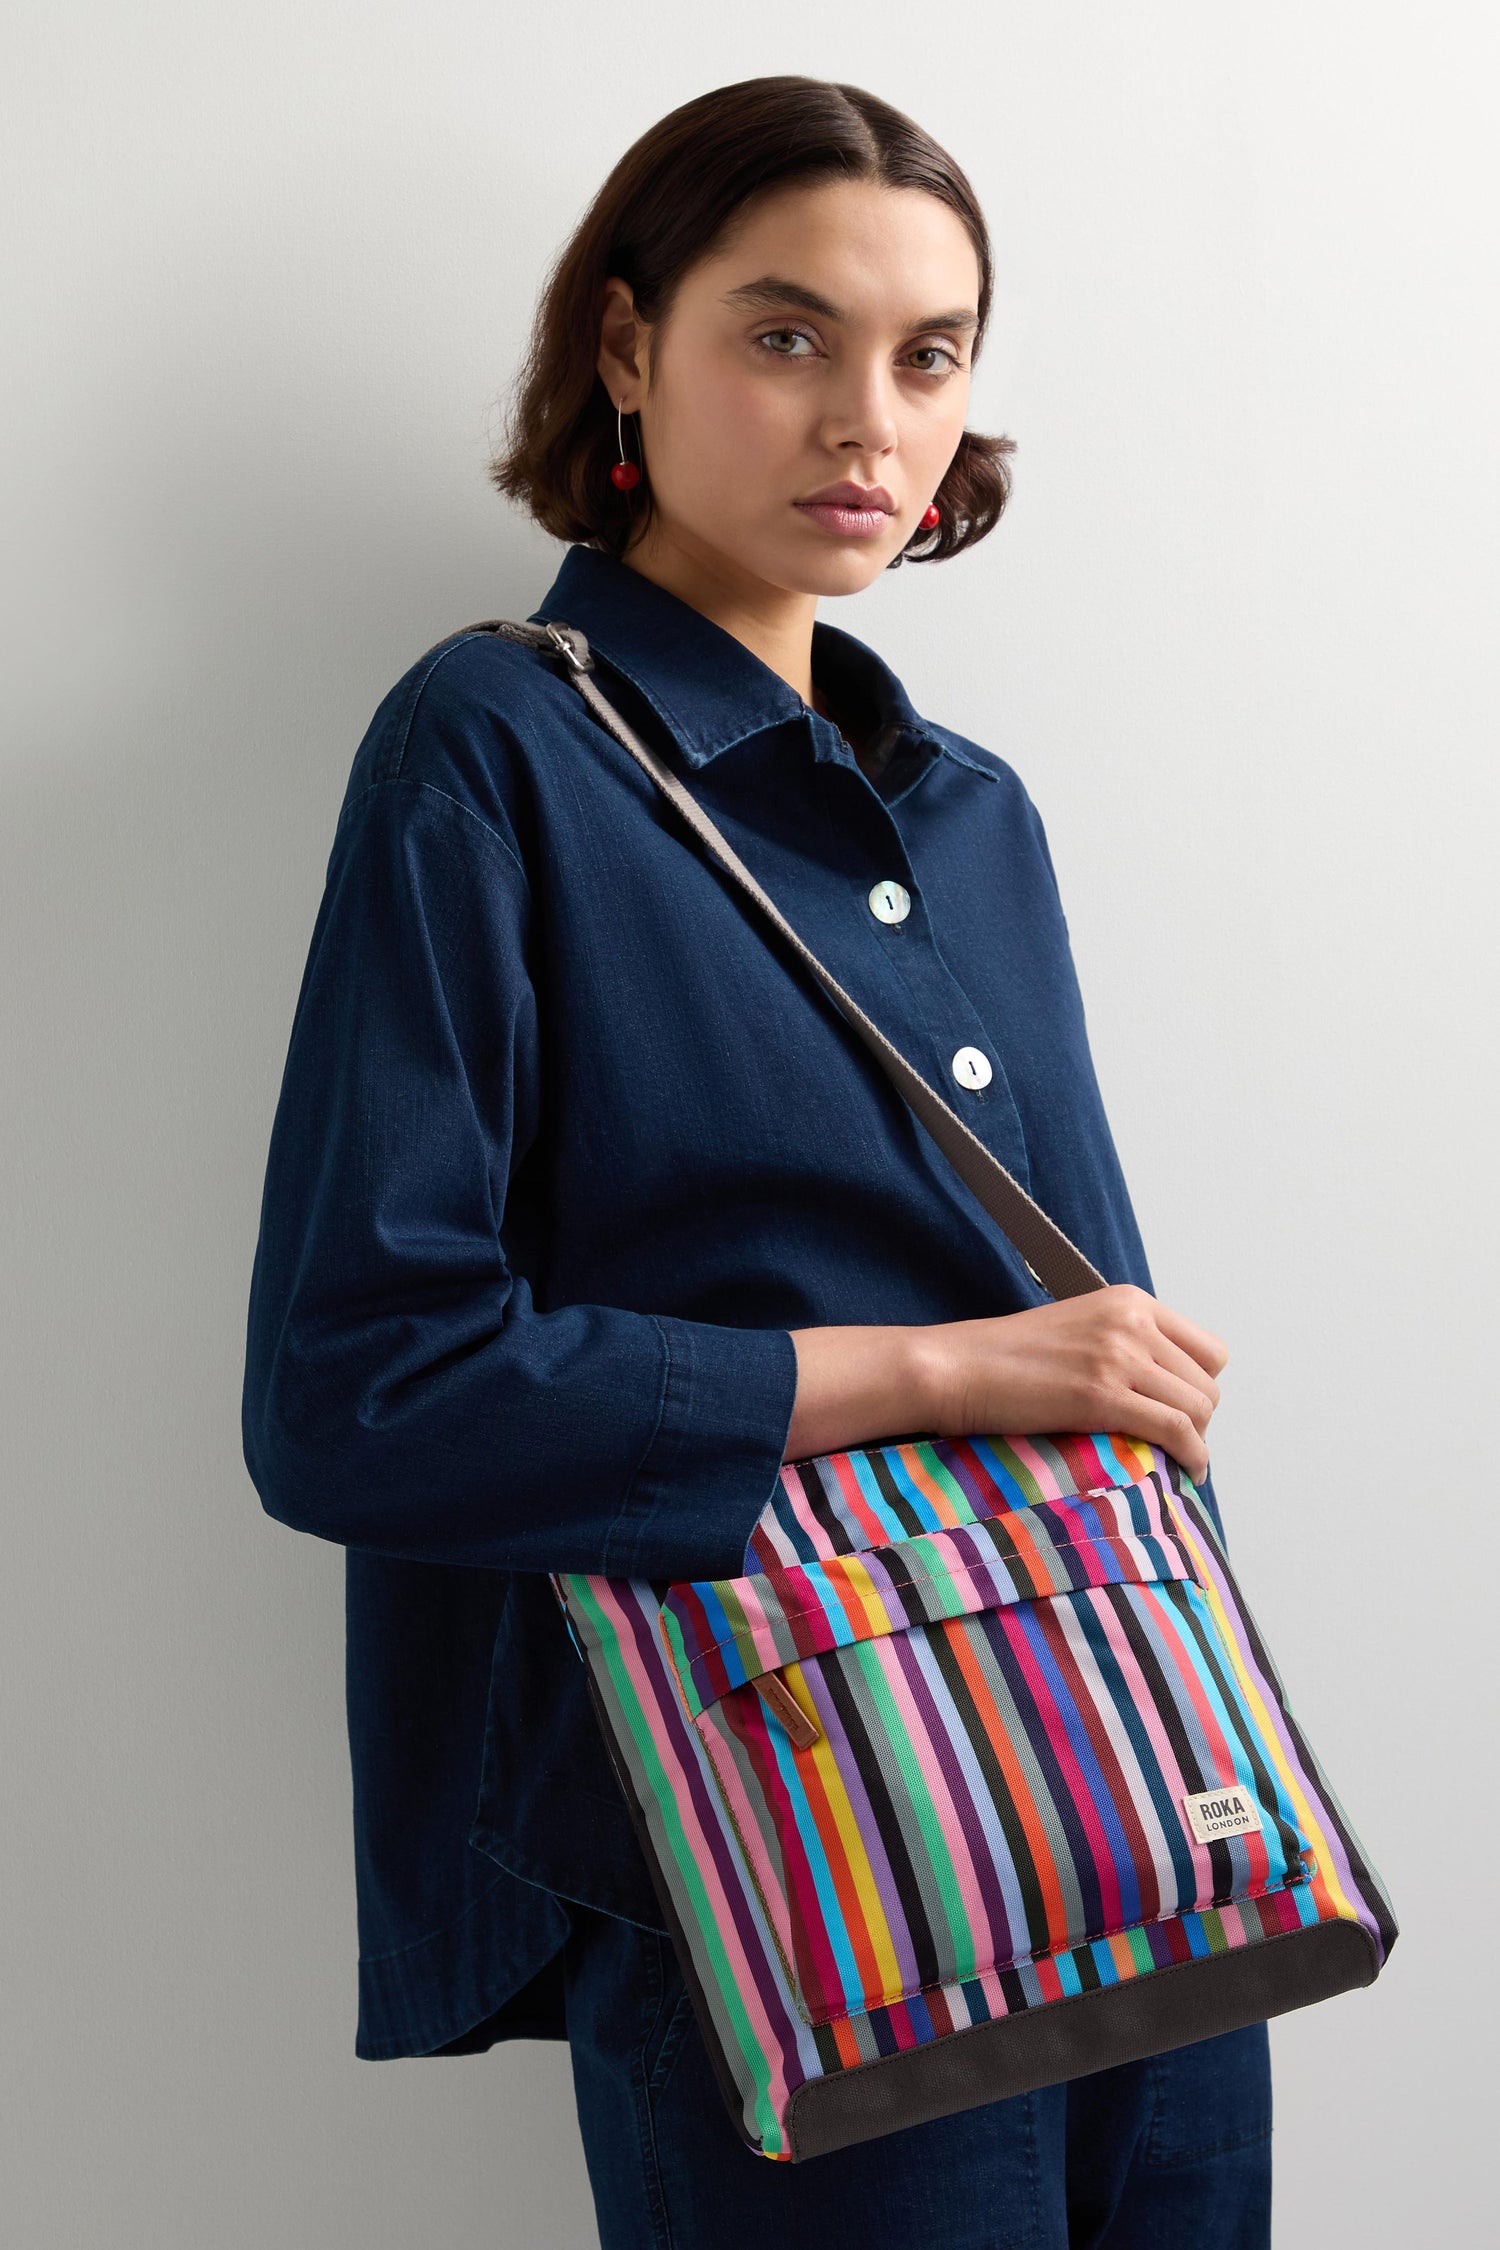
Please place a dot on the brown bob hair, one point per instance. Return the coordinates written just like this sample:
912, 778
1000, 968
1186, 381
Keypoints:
668, 203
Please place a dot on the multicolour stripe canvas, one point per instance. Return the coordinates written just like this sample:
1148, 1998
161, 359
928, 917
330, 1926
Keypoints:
983, 1727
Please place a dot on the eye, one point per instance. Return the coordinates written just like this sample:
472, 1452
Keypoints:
798, 335
941, 352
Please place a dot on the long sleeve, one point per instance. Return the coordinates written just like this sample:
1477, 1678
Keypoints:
402, 1391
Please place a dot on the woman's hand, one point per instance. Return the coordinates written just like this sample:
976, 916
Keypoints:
1114, 1359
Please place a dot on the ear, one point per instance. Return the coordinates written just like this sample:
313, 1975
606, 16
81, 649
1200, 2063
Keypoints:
622, 341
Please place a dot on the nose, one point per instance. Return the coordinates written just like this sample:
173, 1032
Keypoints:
860, 417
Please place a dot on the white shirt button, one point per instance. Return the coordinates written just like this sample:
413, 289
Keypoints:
972, 1068
889, 902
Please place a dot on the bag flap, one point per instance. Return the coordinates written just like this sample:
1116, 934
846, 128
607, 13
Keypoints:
723, 1633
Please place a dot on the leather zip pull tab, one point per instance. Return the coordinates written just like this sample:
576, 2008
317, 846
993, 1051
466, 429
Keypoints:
782, 1704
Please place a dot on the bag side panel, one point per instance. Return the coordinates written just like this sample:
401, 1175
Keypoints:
1345, 1886
734, 1964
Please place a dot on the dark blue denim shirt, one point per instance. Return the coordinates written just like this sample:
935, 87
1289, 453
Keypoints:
567, 1143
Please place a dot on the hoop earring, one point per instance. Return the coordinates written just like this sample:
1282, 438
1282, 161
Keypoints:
624, 475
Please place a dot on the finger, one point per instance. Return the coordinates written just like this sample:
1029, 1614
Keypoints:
1158, 1382
1201, 1344
1170, 1427
1182, 1364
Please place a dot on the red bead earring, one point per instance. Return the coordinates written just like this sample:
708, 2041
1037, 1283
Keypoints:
932, 516
624, 474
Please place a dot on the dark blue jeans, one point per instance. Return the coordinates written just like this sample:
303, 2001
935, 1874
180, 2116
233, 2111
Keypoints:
1173, 2153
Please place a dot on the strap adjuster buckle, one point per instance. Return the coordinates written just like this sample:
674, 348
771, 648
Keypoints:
563, 639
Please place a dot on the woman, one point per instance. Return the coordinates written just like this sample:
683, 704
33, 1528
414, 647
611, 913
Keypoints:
584, 1212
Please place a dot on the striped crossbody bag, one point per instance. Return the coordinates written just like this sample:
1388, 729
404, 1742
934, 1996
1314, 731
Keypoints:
979, 1776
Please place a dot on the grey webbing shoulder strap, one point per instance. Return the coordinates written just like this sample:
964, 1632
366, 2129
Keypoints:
1056, 1262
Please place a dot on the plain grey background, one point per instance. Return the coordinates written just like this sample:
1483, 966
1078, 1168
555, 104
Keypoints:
271, 273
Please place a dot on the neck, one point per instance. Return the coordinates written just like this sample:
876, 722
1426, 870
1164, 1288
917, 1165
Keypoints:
773, 622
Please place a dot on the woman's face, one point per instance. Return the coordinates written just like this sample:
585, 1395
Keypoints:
827, 345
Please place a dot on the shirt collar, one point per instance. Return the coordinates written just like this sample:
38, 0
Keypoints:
709, 690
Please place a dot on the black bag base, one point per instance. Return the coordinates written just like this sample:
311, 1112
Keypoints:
1072, 2038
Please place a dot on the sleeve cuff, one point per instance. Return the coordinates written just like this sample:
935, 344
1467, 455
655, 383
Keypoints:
715, 1457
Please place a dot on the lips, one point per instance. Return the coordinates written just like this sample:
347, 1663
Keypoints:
849, 511
872, 496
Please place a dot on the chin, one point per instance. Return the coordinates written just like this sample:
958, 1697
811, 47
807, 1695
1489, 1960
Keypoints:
843, 570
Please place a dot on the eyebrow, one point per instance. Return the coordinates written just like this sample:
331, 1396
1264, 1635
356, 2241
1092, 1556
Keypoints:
771, 291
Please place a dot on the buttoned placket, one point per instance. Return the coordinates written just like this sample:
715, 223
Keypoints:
934, 1019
